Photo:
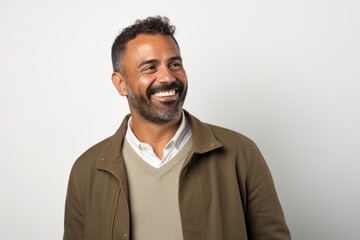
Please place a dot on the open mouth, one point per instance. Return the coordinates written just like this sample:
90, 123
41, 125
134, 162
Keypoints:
168, 93
165, 91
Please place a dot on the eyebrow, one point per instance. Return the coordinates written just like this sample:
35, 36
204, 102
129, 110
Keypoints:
150, 61
175, 58
154, 61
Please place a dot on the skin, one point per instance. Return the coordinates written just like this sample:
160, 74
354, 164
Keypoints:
151, 61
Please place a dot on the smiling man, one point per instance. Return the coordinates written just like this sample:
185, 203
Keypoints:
165, 174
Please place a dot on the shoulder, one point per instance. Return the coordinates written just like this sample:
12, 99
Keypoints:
223, 135
231, 139
89, 158
206, 135
109, 148
229, 134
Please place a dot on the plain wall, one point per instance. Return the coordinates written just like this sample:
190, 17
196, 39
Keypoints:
284, 73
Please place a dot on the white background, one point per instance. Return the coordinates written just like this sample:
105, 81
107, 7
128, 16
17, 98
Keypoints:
285, 73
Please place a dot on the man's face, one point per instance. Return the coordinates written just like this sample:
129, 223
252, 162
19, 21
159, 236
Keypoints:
156, 82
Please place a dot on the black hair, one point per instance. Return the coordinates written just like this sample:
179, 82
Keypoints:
150, 25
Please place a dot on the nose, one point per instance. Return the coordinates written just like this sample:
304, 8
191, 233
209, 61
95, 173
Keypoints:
166, 75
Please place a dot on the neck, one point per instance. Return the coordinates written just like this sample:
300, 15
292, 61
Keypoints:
157, 135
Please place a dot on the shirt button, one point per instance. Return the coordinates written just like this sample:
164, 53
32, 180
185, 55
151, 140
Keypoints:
124, 236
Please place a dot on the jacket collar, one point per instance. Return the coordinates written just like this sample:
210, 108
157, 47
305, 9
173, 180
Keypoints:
202, 136
111, 158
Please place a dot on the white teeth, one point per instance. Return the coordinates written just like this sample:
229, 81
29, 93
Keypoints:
165, 94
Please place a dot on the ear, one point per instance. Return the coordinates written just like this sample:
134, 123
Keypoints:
119, 82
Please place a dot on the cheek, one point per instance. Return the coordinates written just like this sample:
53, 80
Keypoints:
182, 77
144, 82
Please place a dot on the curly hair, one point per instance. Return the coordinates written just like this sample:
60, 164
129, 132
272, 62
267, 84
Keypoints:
150, 25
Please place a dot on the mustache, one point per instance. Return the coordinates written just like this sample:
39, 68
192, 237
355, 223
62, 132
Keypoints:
177, 85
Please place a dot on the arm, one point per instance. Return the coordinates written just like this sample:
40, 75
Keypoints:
264, 215
73, 222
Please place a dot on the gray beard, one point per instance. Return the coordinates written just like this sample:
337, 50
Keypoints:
149, 111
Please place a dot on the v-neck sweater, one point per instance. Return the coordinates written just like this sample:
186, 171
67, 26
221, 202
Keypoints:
153, 192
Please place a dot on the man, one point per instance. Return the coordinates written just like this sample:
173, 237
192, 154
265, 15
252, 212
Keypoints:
164, 174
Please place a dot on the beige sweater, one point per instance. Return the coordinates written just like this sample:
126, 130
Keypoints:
154, 203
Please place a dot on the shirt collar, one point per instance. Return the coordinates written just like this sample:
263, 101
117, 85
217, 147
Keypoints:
175, 141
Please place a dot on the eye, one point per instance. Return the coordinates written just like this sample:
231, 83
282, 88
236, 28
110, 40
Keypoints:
149, 68
175, 65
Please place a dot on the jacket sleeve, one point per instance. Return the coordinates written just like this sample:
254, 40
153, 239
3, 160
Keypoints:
73, 220
264, 215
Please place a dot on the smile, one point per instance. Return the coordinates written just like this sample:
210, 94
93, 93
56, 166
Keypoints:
169, 93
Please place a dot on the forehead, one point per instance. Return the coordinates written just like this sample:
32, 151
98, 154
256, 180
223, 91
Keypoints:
150, 46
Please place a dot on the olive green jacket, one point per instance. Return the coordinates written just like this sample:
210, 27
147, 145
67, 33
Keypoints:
225, 190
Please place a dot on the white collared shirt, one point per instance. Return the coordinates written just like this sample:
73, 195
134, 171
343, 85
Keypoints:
146, 152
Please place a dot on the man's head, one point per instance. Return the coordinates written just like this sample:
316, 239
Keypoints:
148, 70
150, 26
